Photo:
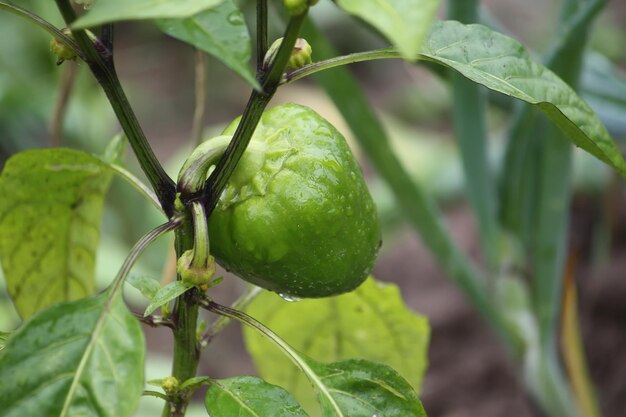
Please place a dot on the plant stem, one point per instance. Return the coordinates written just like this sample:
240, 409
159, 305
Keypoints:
387, 53
290, 352
154, 321
66, 84
223, 321
261, 34
185, 318
200, 236
106, 36
138, 249
200, 102
186, 347
100, 61
194, 171
251, 116
136, 183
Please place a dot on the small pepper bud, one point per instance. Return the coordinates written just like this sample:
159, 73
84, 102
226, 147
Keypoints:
170, 384
301, 54
61, 50
296, 7
196, 275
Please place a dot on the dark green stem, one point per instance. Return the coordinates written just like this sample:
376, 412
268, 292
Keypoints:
100, 61
261, 34
251, 116
106, 36
186, 347
185, 318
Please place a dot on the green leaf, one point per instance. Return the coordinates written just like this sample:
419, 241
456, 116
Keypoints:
248, 396
167, 294
80, 358
147, 286
50, 214
352, 388
361, 388
404, 22
371, 322
194, 383
221, 32
105, 11
500, 63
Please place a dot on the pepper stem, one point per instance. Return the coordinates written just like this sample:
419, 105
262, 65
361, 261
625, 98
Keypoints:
200, 236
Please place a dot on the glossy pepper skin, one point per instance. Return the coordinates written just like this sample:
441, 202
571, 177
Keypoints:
296, 217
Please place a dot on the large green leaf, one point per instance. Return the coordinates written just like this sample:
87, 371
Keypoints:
360, 388
500, 63
104, 11
248, 396
352, 388
404, 22
50, 214
79, 358
371, 322
221, 32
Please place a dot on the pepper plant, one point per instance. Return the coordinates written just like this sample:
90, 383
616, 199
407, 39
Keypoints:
279, 200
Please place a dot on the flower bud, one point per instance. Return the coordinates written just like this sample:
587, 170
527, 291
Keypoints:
296, 7
61, 50
195, 275
170, 384
301, 54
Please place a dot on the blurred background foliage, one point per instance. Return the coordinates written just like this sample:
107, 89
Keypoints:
158, 75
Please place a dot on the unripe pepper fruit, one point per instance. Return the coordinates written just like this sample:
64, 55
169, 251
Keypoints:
296, 216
